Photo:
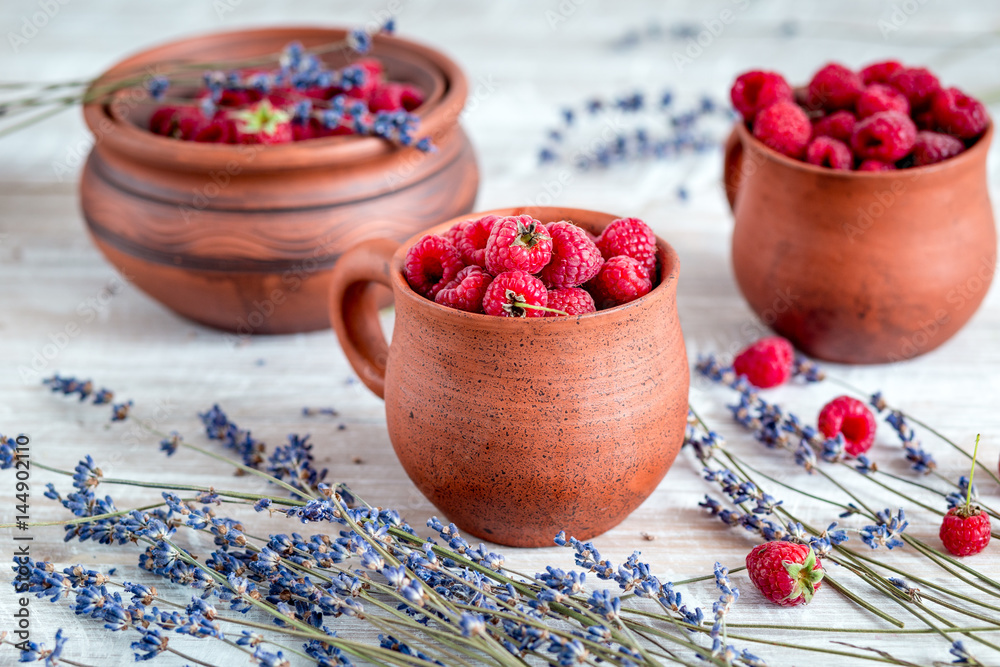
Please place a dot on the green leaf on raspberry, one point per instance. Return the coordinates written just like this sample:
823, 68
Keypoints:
528, 236
804, 577
262, 119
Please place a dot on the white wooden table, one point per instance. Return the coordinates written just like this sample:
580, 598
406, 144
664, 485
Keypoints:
525, 60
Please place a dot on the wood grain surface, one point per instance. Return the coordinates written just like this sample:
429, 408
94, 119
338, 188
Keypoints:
64, 309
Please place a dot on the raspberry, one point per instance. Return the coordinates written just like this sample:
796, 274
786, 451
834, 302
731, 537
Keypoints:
785, 573
395, 97
622, 279
452, 234
518, 243
630, 237
784, 127
262, 123
471, 239
828, 152
178, 122
466, 290
431, 264
219, 131
851, 418
237, 99
880, 72
511, 289
965, 530
571, 300
880, 97
887, 136
925, 120
575, 258
311, 128
163, 121
758, 90
958, 114
932, 147
876, 165
917, 84
766, 363
834, 87
839, 125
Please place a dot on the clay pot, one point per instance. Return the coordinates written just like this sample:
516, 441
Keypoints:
519, 428
243, 238
860, 267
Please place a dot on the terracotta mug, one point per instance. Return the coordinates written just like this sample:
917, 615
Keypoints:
519, 428
860, 267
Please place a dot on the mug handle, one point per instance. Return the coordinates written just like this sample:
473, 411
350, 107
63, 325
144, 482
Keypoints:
733, 167
354, 312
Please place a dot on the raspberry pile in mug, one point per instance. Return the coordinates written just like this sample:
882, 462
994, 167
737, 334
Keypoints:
516, 266
885, 117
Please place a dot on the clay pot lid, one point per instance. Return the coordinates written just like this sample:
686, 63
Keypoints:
669, 262
440, 110
973, 153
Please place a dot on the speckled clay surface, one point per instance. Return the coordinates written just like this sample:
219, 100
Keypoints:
518, 428
861, 267
244, 237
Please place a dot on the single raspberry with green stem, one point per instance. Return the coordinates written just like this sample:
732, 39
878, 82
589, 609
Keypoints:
965, 529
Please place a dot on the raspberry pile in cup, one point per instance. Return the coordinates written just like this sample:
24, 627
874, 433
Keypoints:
260, 106
516, 266
885, 117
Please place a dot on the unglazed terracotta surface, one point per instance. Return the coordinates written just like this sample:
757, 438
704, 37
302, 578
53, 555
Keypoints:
860, 267
519, 428
243, 238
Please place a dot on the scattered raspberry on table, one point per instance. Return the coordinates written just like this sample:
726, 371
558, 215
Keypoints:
785, 573
851, 418
965, 531
766, 363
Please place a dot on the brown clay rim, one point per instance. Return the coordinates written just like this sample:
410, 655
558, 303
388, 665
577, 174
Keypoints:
437, 115
669, 261
972, 153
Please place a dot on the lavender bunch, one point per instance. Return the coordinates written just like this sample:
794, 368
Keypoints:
427, 597
440, 600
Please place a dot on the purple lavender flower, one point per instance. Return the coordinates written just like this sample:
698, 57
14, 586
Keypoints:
360, 41
887, 531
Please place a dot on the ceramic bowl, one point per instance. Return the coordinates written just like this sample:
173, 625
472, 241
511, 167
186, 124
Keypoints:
243, 238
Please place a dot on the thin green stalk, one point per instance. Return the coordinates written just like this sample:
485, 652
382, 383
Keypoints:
919, 580
862, 631
245, 468
707, 577
179, 487
62, 660
929, 549
862, 602
771, 642
48, 113
85, 519
184, 656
